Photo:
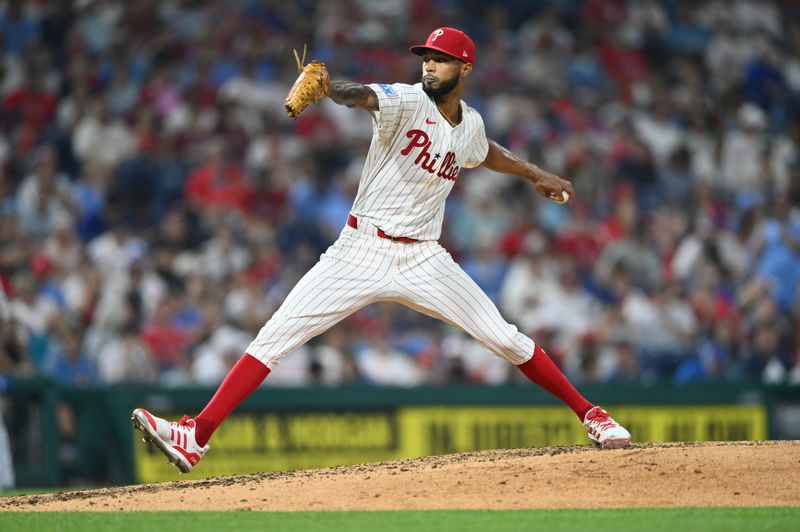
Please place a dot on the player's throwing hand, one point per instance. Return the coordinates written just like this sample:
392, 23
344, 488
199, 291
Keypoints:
553, 187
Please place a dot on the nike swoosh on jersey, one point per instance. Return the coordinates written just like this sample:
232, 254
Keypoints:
429, 121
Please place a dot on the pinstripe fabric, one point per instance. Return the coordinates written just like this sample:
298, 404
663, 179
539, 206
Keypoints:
430, 281
411, 167
352, 273
396, 193
361, 268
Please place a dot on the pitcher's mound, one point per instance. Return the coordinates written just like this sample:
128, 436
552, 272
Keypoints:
646, 475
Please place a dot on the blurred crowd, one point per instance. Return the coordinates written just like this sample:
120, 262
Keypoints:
157, 205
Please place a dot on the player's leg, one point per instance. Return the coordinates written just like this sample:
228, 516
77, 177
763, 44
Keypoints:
350, 275
440, 288
434, 284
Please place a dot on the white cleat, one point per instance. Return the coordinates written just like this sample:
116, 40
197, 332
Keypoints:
173, 438
604, 431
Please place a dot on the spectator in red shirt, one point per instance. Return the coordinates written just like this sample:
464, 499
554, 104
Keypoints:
218, 183
30, 104
163, 338
579, 239
625, 63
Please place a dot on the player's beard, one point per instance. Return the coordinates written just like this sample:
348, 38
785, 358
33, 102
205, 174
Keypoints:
444, 88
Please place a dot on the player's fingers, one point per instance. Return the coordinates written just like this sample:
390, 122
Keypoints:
560, 197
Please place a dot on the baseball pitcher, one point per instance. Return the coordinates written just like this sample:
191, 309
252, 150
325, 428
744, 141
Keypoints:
423, 136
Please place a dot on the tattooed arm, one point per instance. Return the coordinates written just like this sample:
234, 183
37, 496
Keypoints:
353, 94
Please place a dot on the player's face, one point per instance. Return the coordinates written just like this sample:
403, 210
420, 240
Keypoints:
441, 73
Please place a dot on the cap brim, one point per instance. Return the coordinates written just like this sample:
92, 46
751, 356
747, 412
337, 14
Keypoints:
421, 48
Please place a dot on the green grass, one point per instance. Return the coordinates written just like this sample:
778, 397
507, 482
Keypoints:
633, 520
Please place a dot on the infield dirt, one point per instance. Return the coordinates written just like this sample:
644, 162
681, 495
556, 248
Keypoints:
646, 475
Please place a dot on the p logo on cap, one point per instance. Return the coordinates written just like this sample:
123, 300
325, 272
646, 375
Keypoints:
450, 41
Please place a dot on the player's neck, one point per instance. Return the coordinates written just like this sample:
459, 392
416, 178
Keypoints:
449, 106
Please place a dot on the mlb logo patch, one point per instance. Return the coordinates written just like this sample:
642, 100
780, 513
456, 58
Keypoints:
387, 89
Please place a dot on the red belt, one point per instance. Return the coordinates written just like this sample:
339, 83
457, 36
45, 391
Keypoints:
352, 221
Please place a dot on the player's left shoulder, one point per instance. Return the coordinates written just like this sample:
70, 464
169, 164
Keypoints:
471, 116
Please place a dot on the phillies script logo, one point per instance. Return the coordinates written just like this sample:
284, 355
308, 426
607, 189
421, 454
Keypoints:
447, 167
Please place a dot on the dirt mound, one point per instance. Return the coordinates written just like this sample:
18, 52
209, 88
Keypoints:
646, 475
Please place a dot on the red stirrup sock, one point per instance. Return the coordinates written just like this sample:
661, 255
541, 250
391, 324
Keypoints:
541, 370
241, 381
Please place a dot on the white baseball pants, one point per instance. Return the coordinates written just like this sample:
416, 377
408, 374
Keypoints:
361, 268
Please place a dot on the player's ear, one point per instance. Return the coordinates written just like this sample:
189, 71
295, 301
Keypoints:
466, 69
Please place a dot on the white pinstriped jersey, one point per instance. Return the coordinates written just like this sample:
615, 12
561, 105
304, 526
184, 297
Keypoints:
413, 161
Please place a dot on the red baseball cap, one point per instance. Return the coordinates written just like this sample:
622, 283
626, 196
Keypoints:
450, 41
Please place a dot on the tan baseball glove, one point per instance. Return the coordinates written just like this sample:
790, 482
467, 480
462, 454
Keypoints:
309, 87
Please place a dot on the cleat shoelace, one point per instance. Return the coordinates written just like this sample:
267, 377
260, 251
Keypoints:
178, 430
603, 420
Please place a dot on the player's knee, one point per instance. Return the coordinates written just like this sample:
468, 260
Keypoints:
506, 347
